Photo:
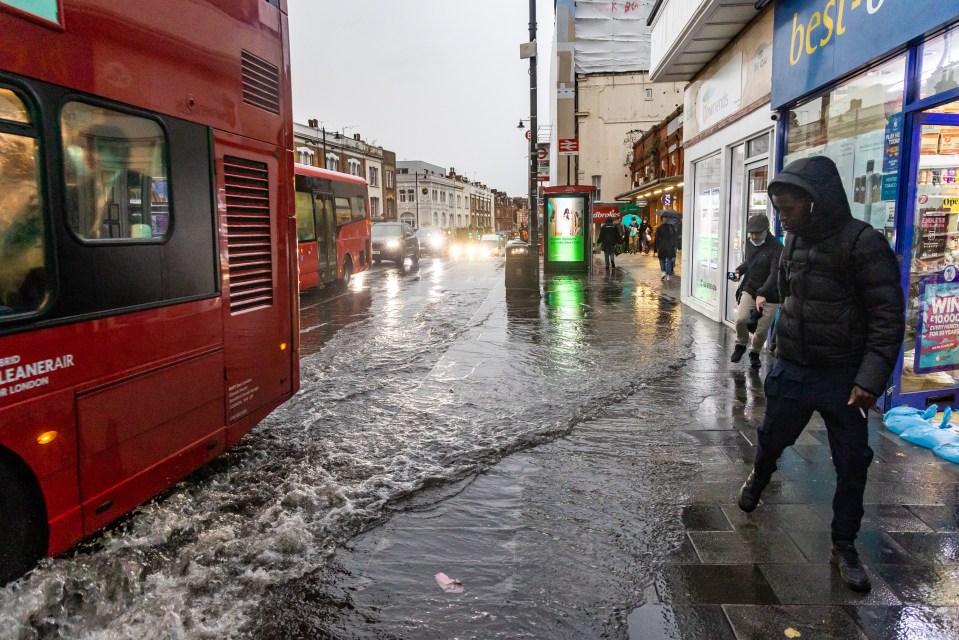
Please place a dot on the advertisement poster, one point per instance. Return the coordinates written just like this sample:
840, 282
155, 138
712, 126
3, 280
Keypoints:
933, 224
893, 137
565, 233
937, 336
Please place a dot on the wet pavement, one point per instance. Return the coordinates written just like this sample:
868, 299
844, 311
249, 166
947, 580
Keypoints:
574, 461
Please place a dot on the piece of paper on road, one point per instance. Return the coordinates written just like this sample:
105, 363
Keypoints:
447, 584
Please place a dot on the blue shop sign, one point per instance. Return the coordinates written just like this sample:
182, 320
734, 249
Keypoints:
817, 41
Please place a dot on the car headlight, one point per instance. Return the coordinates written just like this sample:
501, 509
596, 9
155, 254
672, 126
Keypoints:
456, 250
436, 242
393, 244
471, 250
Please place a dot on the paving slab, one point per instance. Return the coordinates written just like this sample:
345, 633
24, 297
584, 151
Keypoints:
811, 622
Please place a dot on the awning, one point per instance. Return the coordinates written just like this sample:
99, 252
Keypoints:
645, 191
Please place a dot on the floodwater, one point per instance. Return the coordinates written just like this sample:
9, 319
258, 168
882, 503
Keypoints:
419, 389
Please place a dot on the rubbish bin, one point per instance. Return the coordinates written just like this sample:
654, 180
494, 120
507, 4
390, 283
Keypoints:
522, 266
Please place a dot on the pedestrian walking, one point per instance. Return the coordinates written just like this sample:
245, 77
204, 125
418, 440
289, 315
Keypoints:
666, 242
643, 236
633, 236
610, 235
838, 337
757, 297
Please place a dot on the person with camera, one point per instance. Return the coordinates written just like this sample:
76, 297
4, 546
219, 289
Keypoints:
838, 340
758, 294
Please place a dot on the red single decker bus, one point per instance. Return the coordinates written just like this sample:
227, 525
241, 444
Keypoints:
148, 311
332, 225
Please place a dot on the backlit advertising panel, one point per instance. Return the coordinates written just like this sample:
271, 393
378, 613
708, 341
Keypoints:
565, 228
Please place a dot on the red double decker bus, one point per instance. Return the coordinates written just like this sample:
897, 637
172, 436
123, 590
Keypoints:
148, 311
332, 225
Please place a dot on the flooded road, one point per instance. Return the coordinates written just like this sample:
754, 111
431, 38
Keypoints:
413, 385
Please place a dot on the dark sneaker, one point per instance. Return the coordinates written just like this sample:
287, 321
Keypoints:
845, 558
754, 360
752, 489
738, 353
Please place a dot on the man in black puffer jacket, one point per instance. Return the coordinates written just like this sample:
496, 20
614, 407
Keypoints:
840, 329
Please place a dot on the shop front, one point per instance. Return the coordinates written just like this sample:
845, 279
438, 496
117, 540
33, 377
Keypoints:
729, 139
889, 119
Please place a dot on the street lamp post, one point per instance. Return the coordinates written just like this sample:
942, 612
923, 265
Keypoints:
533, 136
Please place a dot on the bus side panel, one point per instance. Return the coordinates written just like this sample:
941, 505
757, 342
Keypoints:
258, 335
139, 424
309, 266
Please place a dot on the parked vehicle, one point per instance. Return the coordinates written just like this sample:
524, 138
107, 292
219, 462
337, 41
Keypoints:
433, 242
395, 241
491, 245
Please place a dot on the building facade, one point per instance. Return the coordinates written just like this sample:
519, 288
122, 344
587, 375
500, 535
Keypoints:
389, 185
724, 50
613, 111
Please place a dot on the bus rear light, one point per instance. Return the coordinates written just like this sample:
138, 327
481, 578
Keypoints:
282, 346
47, 437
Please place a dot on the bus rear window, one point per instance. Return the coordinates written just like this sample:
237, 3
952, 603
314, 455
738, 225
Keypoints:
115, 173
24, 284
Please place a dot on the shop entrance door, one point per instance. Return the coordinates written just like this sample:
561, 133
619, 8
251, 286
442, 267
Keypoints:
929, 371
747, 198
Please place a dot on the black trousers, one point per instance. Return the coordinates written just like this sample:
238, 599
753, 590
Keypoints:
793, 392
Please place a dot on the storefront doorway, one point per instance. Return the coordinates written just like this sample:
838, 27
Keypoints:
930, 364
747, 198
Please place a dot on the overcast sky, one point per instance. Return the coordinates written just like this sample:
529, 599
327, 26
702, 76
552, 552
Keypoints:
433, 80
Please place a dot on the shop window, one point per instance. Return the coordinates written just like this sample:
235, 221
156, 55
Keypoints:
115, 173
940, 64
706, 208
757, 146
850, 125
24, 281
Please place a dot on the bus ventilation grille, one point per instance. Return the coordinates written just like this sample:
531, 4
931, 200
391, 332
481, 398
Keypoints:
248, 233
261, 83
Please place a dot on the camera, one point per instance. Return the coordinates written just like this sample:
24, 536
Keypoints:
731, 275
774, 115
753, 323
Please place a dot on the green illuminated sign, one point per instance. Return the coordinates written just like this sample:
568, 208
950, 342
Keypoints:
46, 9
565, 229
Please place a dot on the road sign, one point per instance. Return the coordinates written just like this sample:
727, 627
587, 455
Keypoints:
542, 152
528, 134
569, 147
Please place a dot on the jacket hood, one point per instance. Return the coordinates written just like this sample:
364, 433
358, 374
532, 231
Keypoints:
819, 177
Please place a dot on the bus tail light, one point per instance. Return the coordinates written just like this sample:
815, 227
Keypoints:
47, 437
